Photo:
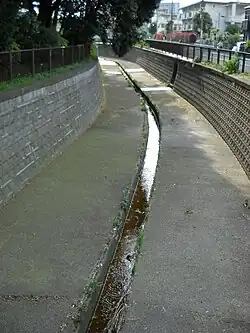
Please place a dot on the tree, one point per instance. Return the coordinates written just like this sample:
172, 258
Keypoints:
8, 15
169, 27
128, 16
232, 29
231, 40
153, 28
207, 22
80, 21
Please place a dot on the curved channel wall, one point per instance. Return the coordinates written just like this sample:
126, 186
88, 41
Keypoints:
222, 99
38, 122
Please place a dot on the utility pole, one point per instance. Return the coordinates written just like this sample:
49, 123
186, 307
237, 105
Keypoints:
202, 19
171, 16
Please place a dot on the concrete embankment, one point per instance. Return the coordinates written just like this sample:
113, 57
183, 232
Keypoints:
193, 275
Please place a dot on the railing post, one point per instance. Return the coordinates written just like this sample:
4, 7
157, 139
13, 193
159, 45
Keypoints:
188, 51
50, 59
62, 55
11, 65
208, 55
243, 63
193, 52
218, 56
79, 53
201, 53
33, 62
83, 52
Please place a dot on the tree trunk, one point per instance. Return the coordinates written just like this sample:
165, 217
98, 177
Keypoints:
45, 13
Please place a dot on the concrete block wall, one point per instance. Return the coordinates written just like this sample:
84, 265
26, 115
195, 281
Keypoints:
38, 124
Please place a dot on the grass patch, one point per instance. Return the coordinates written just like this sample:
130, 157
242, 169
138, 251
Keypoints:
29, 79
243, 76
212, 65
140, 240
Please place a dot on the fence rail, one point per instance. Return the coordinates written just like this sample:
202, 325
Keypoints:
202, 53
33, 61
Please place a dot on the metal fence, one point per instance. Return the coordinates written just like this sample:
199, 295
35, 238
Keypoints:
202, 53
30, 62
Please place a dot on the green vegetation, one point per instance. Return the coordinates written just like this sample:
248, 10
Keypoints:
140, 240
152, 29
247, 46
231, 66
226, 39
244, 77
232, 29
29, 79
212, 65
207, 22
43, 23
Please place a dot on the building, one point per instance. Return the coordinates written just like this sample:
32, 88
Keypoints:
166, 12
246, 23
222, 12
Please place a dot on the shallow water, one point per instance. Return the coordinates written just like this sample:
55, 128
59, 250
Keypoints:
109, 312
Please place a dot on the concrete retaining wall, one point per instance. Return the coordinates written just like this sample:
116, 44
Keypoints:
38, 124
222, 99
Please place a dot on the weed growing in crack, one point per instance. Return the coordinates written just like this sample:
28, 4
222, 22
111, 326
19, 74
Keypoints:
117, 221
140, 240
143, 105
125, 199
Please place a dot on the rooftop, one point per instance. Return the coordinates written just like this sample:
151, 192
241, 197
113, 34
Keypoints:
214, 1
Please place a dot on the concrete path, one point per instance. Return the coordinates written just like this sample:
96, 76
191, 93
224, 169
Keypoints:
52, 233
193, 275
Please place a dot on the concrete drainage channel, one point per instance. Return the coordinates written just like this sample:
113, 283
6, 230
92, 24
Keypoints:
108, 313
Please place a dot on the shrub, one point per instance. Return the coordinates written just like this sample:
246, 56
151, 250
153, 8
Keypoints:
247, 46
232, 66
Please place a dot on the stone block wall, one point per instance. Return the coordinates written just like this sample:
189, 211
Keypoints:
40, 123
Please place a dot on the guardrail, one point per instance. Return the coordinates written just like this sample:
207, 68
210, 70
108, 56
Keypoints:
201, 53
33, 61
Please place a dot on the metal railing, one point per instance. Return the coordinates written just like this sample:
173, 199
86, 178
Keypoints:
202, 53
33, 61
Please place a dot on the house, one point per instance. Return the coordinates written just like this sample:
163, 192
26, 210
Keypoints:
246, 23
222, 13
166, 12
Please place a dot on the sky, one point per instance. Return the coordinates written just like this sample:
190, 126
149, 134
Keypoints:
187, 2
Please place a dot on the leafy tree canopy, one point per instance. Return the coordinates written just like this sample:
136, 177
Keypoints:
153, 28
207, 22
169, 27
232, 29
31, 23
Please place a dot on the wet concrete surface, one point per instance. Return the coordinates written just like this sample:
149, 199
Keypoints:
193, 275
53, 231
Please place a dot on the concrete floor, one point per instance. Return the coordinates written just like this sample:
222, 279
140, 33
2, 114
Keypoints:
52, 233
193, 275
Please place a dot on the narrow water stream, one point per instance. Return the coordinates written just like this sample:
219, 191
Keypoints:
108, 314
